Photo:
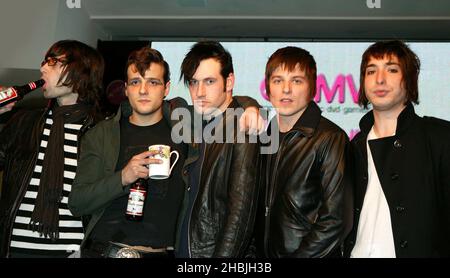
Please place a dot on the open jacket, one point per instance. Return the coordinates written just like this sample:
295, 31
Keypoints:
19, 148
413, 167
223, 215
97, 183
305, 202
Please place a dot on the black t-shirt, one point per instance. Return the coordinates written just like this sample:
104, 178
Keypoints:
164, 197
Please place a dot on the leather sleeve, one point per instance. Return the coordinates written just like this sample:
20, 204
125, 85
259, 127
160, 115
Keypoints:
8, 135
177, 102
234, 236
4, 136
246, 102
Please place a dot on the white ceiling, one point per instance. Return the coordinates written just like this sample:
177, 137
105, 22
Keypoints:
271, 19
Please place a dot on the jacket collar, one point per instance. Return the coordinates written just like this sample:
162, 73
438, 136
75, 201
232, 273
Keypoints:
228, 117
218, 122
308, 121
233, 105
404, 120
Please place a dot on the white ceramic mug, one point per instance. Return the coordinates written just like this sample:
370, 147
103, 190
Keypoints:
163, 170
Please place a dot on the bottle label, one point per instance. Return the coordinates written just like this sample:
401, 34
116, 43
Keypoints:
7, 95
136, 201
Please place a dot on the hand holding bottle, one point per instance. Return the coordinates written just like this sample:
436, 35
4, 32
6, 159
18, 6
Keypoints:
7, 107
15, 93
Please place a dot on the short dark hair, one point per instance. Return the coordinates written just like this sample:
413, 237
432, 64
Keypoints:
142, 58
409, 65
289, 57
205, 50
84, 69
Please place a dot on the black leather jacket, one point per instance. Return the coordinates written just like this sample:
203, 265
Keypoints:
305, 209
19, 147
224, 211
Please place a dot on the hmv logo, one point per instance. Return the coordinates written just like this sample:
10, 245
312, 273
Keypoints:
73, 4
373, 4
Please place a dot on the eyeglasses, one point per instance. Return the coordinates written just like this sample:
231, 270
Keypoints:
52, 61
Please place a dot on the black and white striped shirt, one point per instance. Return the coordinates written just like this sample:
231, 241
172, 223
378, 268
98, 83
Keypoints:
23, 240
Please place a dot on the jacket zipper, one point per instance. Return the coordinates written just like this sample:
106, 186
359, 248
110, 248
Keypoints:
269, 196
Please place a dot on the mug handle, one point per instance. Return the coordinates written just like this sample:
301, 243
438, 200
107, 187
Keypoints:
176, 159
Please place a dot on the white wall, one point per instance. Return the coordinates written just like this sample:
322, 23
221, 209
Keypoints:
29, 28
75, 24
26, 30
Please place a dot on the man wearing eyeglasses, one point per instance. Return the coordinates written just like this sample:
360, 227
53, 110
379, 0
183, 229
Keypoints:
39, 156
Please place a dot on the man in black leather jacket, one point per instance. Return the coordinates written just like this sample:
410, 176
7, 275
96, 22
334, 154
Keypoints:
302, 210
222, 177
39, 152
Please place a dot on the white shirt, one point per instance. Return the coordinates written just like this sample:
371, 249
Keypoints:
374, 238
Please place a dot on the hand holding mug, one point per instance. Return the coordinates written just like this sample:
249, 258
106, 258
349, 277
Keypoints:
137, 167
163, 170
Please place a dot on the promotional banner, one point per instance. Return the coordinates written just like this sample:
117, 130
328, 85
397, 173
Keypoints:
337, 75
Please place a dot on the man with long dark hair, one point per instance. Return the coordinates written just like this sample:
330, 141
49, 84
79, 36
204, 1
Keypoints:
402, 163
222, 175
39, 153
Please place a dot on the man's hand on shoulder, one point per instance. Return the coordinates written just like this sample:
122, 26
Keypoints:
251, 121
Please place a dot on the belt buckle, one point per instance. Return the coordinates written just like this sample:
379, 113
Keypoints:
129, 253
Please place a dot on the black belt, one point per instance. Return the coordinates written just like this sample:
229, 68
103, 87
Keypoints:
101, 249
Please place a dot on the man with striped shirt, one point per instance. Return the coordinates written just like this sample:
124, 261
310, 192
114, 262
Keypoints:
39, 153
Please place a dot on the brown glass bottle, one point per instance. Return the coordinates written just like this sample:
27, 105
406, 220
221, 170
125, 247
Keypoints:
136, 200
16, 93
